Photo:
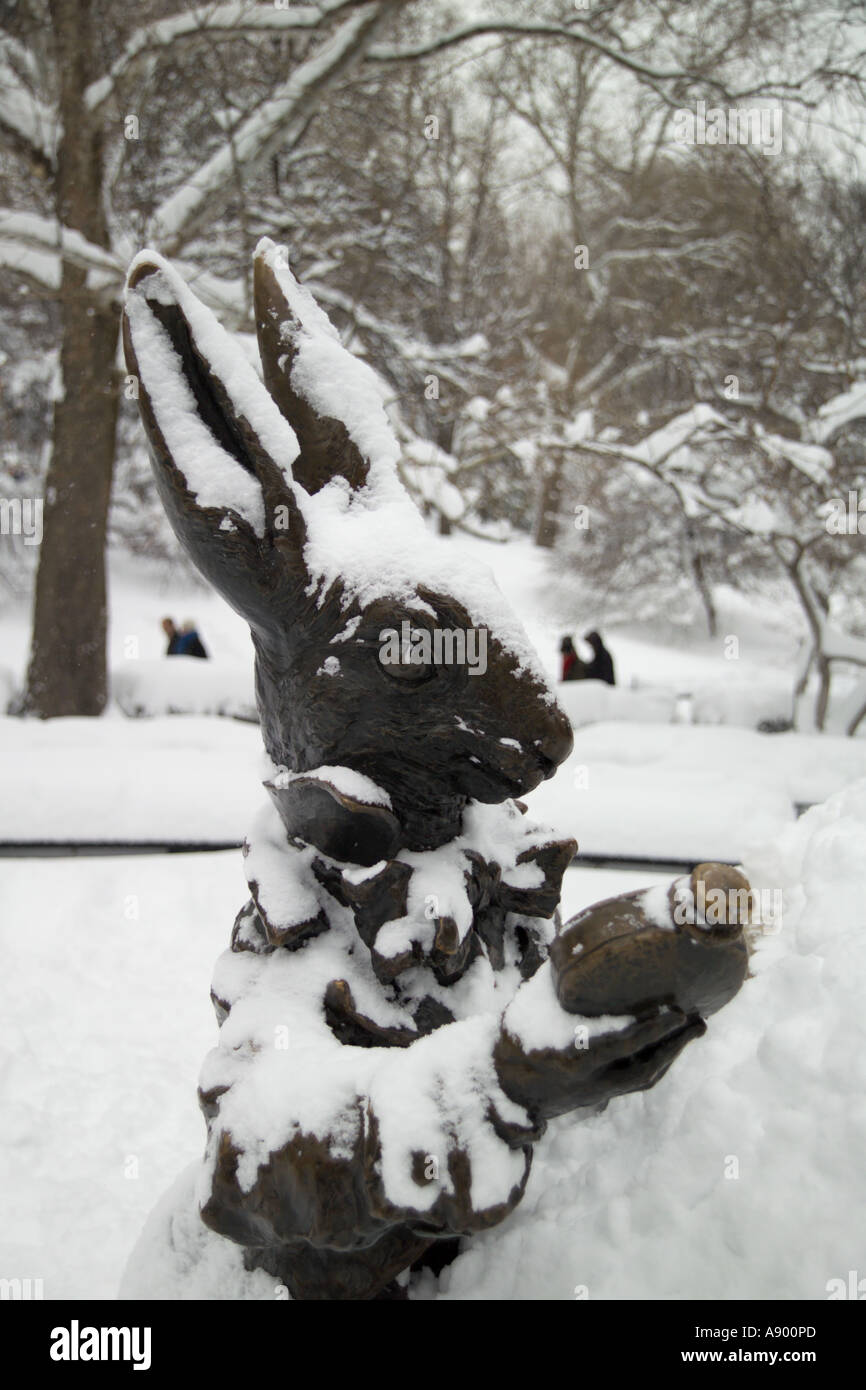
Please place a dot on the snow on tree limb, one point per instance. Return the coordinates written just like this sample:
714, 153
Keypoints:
35, 247
231, 20
519, 29
711, 250
693, 426
741, 504
815, 462
413, 351
39, 267
841, 410
662, 80
227, 298
280, 117
25, 119
29, 229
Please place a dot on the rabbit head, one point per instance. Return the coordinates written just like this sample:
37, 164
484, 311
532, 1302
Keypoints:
376, 649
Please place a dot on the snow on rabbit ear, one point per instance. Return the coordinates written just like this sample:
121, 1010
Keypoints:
222, 451
363, 531
334, 401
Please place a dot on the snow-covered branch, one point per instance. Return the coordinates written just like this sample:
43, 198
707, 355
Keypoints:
538, 29
235, 19
710, 250
841, 410
44, 234
227, 298
24, 119
412, 350
42, 269
279, 120
35, 248
695, 426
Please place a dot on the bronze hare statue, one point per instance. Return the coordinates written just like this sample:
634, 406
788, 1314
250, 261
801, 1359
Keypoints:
400, 1009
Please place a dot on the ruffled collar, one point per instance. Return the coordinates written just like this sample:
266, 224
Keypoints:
491, 890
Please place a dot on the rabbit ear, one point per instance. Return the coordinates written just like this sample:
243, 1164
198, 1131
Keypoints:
222, 451
314, 380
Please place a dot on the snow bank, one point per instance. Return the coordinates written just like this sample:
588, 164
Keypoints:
740, 1176
122, 780
185, 685
688, 791
636, 790
104, 1019
592, 702
745, 704
202, 1265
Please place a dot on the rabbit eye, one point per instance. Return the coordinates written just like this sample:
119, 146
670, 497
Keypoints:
405, 654
409, 672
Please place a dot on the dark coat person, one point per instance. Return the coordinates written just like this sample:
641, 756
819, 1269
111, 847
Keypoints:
571, 662
174, 637
600, 668
190, 642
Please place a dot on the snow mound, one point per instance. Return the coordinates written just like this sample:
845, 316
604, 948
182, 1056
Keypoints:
745, 704
740, 1176
591, 702
184, 685
177, 1258
687, 791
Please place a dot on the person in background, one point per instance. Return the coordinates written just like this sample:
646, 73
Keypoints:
601, 666
190, 642
572, 666
173, 636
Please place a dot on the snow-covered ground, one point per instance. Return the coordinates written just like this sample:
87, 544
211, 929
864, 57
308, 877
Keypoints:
689, 792
739, 1176
727, 681
637, 784
105, 1020
185, 779
639, 791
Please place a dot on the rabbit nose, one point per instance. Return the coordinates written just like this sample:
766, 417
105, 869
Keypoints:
556, 744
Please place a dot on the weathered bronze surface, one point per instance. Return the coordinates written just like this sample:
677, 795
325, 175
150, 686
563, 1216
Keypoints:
318, 1216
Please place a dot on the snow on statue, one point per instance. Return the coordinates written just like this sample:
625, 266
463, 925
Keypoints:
401, 1011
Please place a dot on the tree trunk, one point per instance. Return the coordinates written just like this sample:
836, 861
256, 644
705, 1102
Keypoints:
444, 437
67, 672
547, 516
800, 688
820, 661
696, 562
823, 696
856, 720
